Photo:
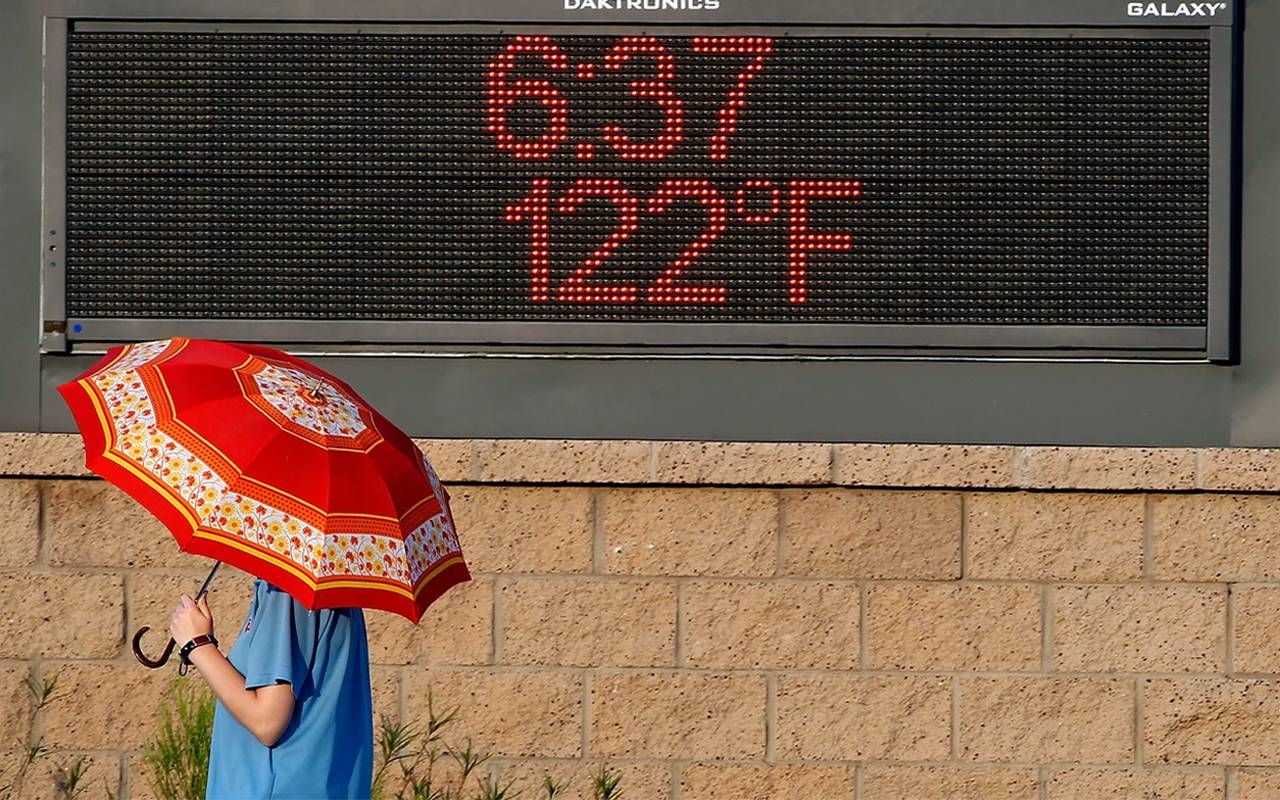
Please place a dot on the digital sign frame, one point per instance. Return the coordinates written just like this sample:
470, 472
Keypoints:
640, 32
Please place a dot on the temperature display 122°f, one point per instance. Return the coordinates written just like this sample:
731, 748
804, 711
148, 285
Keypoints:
762, 181
762, 178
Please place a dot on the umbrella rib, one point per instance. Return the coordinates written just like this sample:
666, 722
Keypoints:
262, 466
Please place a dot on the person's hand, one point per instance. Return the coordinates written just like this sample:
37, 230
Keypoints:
190, 619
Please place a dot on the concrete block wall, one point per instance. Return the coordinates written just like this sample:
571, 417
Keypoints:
745, 621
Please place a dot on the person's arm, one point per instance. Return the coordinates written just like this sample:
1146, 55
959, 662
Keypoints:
266, 710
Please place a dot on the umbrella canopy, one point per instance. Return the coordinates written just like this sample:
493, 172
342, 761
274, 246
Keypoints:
255, 457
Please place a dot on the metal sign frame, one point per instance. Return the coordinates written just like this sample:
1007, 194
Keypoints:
1212, 342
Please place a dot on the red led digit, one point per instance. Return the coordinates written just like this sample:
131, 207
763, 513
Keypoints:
656, 90
503, 95
575, 288
758, 46
775, 199
665, 289
801, 240
536, 209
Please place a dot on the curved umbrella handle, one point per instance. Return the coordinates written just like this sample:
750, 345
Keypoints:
149, 662
156, 663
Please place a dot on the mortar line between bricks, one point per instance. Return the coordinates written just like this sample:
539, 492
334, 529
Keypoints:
1148, 568
1230, 782
127, 611
850, 763
639, 577
779, 548
494, 771
585, 744
1139, 722
1229, 641
402, 693
954, 753
770, 717
840, 580
36, 731
643, 483
964, 535
759, 672
1194, 769
42, 539
864, 657
1042, 777
954, 486
1046, 628
499, 621
1015, 485
123, 783
569, 761
679, 632
597, 533
98, 752
678, 768
858, 770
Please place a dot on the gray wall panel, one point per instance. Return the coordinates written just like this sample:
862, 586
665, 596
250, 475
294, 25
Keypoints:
859, 400
876, 401
21, 39
1256, 413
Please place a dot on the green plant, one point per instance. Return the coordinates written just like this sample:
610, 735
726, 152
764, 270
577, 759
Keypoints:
178, 756
397, 746
67, 779
606, 784
490, 790
416, 752
43, 694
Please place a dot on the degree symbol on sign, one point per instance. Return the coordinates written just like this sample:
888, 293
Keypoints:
759, 185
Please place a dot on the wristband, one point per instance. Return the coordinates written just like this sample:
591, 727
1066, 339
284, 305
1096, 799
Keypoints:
185, 653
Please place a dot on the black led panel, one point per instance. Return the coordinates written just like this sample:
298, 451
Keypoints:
1049, 180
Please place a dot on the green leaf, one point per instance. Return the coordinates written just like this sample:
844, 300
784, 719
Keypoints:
178, 755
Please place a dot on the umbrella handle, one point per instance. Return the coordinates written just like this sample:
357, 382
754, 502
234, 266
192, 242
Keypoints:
156, 663
150, 662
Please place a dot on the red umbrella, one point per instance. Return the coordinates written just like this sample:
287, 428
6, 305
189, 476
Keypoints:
255, 457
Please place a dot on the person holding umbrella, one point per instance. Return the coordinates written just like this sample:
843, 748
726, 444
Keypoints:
254, 457
293, 717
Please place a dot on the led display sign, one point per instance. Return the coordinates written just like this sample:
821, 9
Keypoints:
667, 186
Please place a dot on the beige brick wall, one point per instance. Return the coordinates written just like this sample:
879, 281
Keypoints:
745, 621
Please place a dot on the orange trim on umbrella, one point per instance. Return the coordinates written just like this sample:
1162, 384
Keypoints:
168, 421
321, 583
371, 591
349, 522
136, 470
308, 512
201, 531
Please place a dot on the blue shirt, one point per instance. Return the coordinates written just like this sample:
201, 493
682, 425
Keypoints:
327, 749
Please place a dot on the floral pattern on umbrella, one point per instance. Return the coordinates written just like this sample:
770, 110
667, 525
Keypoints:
242, 514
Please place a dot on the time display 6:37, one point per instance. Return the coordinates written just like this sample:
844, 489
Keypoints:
757, 201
